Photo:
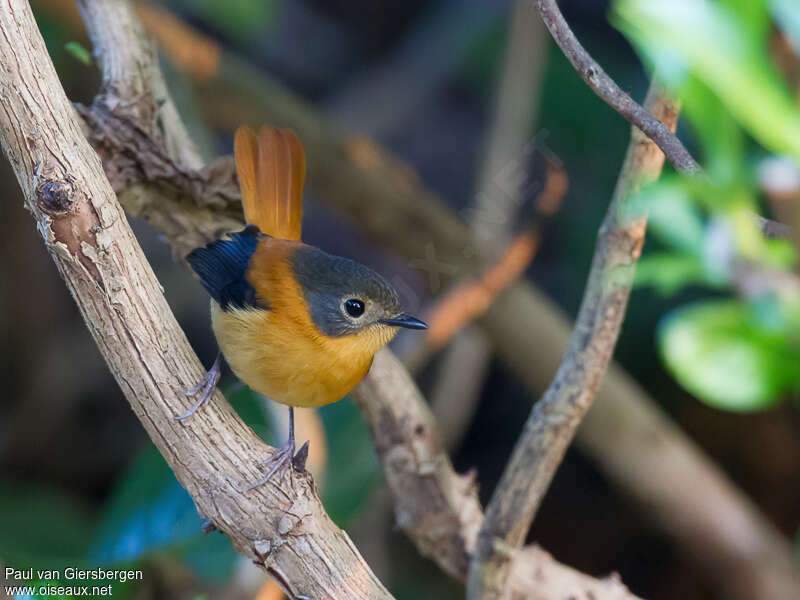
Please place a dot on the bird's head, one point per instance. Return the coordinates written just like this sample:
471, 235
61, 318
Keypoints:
346, 298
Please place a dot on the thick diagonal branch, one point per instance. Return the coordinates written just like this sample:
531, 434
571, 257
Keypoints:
555, 418
214, 455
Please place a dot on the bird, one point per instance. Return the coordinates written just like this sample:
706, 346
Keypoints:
294, 323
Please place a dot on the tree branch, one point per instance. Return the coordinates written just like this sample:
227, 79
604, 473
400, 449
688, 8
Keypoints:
555, 418
214, 455
605, 87
438, 508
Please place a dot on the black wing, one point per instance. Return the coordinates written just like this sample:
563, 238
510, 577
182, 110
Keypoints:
221, 267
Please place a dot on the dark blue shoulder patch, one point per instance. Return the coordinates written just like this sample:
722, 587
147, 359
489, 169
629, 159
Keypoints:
221, 267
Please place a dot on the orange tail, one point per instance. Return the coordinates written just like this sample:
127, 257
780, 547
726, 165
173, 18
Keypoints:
271, 168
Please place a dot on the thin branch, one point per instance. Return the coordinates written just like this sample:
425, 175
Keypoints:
214, 456
555, 418
605, 87
438, 508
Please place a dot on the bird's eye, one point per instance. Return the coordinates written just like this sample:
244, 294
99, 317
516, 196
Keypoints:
354, 307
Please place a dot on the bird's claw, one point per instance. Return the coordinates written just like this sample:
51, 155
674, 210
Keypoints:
281, 457
204, 388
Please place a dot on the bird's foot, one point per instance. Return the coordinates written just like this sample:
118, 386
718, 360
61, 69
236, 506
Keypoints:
280, 459
204, 389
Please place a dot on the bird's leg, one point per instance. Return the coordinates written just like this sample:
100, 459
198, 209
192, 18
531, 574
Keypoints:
281, 457
205, 387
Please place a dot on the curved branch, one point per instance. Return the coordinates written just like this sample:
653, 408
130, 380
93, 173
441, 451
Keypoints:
214, 455
555, 418
438, 508
605, 87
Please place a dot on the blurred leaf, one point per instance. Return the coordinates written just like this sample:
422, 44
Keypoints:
754, 14
150, 511
787, 15
724, 354
719, 134
720, 49
353, 471
42, 527
669, 273
753, 246
79, 52
672, 216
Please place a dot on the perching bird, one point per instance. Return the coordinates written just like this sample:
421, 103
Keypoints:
294, 323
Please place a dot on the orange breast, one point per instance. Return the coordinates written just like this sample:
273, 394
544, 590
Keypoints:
278, 352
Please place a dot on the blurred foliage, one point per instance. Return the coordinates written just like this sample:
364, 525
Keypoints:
735, 354
79, 52
730, 354
243, 20
348, 483
42, 527
723, 45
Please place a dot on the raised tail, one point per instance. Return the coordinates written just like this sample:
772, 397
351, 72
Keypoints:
272, 169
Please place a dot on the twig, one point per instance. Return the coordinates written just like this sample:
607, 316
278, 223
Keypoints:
472, 297
438, 508
736, 547
602, 85
552, 424
215, 455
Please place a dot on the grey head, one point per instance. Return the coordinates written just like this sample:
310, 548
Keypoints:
344, 296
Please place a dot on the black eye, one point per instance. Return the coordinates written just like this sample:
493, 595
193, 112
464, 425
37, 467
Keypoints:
354, 307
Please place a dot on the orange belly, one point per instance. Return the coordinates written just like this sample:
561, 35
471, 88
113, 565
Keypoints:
296, 368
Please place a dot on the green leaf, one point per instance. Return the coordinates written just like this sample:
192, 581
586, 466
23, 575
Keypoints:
669, 273
712, 42
79, 52
754, 17
726, 355
717, 131
672, 216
